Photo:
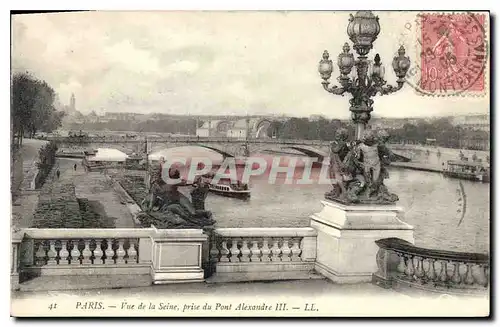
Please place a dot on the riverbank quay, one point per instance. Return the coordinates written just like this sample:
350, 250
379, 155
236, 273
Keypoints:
93, 197
302, 298
418, 166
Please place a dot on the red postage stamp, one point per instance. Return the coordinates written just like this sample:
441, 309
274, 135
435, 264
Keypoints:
454, 53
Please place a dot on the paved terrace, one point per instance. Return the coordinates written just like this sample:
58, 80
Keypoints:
96, 187
329, 299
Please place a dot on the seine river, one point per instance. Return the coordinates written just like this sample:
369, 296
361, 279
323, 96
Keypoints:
430, 200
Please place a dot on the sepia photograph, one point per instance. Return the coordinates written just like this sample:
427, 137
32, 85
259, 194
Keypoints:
250, 164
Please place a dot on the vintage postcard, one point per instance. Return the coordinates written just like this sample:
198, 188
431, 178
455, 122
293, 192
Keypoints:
250, 164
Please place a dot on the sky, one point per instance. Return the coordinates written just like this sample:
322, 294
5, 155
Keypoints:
212, 62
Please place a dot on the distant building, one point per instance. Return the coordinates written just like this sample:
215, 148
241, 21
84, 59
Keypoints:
72, 102
316, 117
239, 129
92, 117
474, 122
123, 116
257, 127
71, 115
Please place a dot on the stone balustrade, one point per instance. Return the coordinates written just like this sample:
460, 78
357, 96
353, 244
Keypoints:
154, 255
262, 253
84, 251
401, 264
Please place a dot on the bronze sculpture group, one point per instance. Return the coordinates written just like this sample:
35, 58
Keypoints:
166, 207
358, 169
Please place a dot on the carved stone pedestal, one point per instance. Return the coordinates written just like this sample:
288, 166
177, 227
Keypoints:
177, 256
346, 249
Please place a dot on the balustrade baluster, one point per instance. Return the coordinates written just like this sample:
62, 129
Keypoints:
419, 270
256, 253
455, 278
40, 255
431, 272
120, 253
245, 251
401, 266
214, 251
63, 253
224, 252
98, 253
109, 252
468, 279
52, 253
486, 276
296, 250
75, 253
131, 253
443, 276
265, 251
276, 251
410, 270
235, 252
86, 254
285, 251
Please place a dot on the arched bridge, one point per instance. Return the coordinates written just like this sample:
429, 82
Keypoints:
227, 147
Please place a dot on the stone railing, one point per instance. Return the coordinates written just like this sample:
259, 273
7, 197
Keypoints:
157, 255
83, 251
401, 264
262, 253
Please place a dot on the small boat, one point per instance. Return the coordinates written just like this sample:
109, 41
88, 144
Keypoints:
225, 188
470, 170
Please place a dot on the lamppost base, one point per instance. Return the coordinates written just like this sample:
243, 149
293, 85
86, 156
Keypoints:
346, 249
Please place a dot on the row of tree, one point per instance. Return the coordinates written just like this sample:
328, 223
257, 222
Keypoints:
32, 107
441, 133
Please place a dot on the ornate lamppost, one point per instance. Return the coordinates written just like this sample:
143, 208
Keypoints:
361, 182
363, 30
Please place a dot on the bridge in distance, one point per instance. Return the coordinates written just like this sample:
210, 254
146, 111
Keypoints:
228, 147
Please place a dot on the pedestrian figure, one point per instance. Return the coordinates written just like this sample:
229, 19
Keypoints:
74, 167
58, 173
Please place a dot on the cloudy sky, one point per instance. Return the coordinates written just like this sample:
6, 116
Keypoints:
210, 62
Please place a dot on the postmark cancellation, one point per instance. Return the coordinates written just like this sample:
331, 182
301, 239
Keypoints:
452, 54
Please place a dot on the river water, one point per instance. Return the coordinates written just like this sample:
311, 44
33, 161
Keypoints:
430, 201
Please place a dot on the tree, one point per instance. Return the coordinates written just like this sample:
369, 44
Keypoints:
32, 107
23, 96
